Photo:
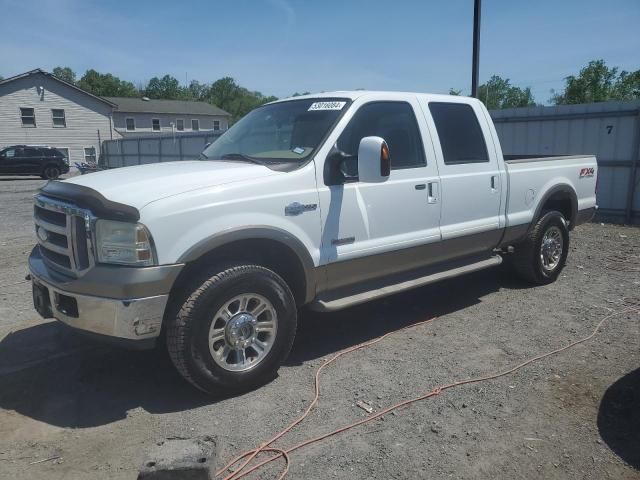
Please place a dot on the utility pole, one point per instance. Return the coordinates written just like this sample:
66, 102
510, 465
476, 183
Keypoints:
477, 6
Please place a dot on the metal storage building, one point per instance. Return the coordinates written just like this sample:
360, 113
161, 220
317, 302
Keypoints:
609, 130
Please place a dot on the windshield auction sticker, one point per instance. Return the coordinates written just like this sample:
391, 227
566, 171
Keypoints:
326, 106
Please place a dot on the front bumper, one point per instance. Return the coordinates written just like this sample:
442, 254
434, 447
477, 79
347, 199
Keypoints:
108, 308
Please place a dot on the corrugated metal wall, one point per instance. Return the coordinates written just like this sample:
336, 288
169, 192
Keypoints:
129, 151
609, 130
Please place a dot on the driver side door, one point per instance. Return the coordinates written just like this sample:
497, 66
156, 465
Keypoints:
376, 229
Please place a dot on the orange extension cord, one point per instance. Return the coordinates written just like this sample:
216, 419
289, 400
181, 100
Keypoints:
250, 455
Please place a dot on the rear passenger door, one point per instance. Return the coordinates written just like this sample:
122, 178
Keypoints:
32, 160
470, 176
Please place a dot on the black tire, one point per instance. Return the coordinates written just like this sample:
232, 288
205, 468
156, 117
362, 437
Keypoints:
527, 258
187, 332
51, 172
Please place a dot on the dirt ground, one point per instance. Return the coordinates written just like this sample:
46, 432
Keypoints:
92, 411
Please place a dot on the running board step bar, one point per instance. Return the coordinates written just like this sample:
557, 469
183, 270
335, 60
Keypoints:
330, 304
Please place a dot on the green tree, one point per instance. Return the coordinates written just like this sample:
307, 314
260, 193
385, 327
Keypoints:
167, 88
195, 91
106, 85
598, 83
498, 93
66, 74
238, 101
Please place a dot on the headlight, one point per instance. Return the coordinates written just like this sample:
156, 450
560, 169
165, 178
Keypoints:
123, 243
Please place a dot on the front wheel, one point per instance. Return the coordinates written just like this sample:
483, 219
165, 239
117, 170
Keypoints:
234, 330
541, 256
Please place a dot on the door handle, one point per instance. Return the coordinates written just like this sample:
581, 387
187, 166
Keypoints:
432, 192
493, 183
420, 186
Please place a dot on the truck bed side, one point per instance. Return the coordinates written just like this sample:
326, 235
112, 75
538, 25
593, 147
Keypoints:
532, 182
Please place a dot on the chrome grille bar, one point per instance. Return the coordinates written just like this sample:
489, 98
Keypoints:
74, 259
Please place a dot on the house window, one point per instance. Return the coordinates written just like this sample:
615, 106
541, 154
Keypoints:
155, 124
28, 116
59, 119
180, 125
131, 124
90, 155
216, 124
195, 124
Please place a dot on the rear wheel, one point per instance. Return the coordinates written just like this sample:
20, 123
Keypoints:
541, 256
51, 172
234, 330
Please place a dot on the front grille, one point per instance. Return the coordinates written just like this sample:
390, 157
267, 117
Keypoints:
61, 229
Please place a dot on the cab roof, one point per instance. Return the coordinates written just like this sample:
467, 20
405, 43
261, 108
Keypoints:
354, 94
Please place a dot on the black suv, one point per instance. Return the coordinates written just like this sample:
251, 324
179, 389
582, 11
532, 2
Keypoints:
46, 162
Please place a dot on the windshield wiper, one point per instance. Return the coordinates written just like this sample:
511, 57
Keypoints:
240, 156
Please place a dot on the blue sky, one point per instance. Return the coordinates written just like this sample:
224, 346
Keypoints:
283, 46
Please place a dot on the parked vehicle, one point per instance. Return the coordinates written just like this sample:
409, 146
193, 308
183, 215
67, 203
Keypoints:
323, 200
46, 162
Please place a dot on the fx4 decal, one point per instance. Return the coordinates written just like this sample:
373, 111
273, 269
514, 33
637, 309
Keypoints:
587, 172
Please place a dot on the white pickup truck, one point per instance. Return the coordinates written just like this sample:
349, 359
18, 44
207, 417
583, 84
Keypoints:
323, 200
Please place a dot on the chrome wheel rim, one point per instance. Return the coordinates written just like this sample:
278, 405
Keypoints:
551, 248
242, 332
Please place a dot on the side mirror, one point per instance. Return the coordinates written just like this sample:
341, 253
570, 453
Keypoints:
374, 160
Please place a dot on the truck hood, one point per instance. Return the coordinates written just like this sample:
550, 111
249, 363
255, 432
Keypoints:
140, 185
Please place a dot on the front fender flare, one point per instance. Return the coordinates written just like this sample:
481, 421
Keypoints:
256, 233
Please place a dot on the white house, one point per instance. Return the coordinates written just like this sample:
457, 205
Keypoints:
37, 108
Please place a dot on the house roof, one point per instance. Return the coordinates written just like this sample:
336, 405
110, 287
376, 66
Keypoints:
52, 76
179, 107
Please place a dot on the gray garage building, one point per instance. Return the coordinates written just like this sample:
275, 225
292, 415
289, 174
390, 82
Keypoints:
609, 130
143, 116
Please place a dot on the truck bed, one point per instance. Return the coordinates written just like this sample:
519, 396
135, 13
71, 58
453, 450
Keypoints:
531, 177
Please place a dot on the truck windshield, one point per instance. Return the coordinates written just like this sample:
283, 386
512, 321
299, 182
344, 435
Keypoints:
282, 132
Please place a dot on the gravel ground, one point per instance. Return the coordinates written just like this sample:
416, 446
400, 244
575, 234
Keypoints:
94, 411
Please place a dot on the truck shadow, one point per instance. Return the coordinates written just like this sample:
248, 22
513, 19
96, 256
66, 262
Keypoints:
53, 375
320, 334
619, 420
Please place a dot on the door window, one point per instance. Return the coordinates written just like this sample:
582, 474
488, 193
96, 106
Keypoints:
396, 123
31, 152
460, 134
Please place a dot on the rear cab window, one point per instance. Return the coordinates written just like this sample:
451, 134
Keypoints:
460, 134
